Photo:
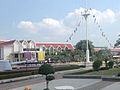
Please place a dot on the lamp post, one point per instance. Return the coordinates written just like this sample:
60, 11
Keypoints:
85, 15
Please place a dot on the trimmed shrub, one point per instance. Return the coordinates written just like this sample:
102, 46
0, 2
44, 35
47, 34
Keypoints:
50, 77
66, 67
110, 64
20, 73
47, 70
118, 74
82, 72
96, 65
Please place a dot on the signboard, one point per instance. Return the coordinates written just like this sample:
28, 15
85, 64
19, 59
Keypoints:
41, 56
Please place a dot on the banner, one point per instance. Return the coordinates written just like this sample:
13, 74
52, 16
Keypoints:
41, 56
27, 55
74, 32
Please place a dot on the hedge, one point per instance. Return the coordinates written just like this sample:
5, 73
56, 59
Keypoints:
19, 73
66, 67
13, 74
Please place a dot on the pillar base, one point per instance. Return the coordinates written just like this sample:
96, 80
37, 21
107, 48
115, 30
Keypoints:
88, 64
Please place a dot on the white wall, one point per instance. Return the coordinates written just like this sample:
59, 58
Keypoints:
16, 46
1, 52
7, 51
31, 44
24, 44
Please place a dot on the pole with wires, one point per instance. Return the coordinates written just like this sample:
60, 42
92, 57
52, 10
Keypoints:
85, 15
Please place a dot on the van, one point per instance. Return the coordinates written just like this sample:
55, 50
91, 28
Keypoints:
5, 65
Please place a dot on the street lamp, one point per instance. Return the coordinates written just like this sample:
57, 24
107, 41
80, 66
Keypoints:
85, 15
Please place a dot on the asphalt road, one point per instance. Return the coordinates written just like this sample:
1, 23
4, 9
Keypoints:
58, 75
11, 85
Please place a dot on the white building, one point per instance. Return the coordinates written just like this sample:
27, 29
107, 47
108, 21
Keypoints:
20, 50
15, 50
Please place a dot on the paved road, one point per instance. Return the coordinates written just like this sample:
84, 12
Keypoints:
58, 75
97, 86
16, 84
76, 83
11, 85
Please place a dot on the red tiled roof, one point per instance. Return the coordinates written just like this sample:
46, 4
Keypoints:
97, 49
2, 41
55, 45
7, 42
112, 49
115, 49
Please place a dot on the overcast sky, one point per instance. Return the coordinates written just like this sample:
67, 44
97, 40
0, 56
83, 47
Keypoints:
56, 20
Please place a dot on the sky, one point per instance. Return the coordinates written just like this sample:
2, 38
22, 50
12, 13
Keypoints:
56, 20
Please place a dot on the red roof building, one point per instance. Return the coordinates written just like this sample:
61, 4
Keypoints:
54, 45
2, 43
115, 49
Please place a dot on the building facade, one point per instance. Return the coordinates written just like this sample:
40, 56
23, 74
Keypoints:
17, 50
20, 50
53, 47
115, 52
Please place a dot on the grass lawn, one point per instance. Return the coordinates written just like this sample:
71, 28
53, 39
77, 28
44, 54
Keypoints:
110, 72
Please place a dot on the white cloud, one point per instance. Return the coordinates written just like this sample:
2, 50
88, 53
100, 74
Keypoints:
53, 29
107, 16
27, 25
51, 22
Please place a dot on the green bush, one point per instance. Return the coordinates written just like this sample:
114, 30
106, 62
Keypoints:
97, 64
46, 89
20, 73
110, 64
50, 77
82, 72
118, 74
13, 74
46, 69
66, 67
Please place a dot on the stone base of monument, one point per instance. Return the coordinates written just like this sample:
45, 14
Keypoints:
88, 64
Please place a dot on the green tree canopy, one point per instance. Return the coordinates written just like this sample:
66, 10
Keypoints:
117, 44
82, 46
46, 69
104, 55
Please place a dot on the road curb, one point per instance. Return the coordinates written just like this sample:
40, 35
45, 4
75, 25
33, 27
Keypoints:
19, 79
83, 76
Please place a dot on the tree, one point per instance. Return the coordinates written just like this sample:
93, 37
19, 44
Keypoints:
47, 70
79, 55
117, 44
82, 46
105, 55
